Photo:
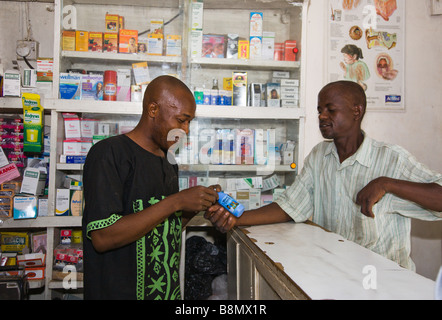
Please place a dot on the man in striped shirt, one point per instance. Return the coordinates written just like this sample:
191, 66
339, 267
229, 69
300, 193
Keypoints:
352, 185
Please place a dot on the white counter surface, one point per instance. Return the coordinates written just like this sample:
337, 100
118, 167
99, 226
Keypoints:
326, 266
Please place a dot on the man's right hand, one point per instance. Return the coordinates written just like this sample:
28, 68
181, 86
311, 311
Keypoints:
221, 219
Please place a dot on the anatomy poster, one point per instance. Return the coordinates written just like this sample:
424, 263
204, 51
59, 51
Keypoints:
366, 45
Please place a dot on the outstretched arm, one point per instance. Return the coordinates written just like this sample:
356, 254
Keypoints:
427, 195
224, 221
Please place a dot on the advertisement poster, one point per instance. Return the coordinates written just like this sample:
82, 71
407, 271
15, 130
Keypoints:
366, 45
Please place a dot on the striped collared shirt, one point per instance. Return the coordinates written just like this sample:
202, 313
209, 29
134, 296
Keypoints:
326, 190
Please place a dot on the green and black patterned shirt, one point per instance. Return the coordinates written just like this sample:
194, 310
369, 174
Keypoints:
121, 178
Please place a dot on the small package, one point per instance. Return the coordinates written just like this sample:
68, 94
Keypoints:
243, 49
155, 44
232, 46
249, 183
256, 20
244, 146
31, 260
128, 41
92, 87
255, 47
213, 46
290, 50
141, 73
273, 91
72, 128
62, 201
70, 86
34, 182
25, 207
95, 42
157, 26
112, 22
173, 45
110, 42
11, 83
239, 86
81, 40
279, 52
68, 40
124, 80
268, 45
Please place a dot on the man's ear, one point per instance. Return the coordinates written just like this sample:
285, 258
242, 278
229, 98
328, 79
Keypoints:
358, 112
153, 109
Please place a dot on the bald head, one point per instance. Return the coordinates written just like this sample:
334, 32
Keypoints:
165, 88
351, 90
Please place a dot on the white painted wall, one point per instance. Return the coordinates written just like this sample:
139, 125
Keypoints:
418, 129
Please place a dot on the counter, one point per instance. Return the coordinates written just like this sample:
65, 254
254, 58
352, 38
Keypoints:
304, 261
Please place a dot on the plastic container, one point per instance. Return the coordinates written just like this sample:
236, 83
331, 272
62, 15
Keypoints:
110, 85
230, 204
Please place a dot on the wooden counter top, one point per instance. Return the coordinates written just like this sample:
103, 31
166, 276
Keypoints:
323, 265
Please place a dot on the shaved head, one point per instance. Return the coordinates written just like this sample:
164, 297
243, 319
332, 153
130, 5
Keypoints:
350, 89
163, 87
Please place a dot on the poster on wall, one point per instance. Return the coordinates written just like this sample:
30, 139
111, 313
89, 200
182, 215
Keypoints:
366, 45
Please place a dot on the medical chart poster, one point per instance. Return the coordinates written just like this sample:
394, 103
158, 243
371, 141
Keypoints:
366, 45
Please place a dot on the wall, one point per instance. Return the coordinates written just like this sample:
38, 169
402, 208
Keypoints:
418, 129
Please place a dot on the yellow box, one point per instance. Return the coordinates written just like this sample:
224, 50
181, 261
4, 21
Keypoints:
95, 42
110, 42
227, 84
112, 22
243, 49
81, 40
68, 40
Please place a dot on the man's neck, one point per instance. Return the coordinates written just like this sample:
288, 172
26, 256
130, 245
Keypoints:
346, 147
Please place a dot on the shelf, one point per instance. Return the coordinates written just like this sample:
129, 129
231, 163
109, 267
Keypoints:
107, 56
247, 63
41, 222
259, 169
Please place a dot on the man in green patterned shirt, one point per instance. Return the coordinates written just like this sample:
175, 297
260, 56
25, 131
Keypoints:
352, 185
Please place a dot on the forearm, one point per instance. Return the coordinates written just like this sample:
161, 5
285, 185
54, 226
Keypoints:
132, 227
269, 214
427, 195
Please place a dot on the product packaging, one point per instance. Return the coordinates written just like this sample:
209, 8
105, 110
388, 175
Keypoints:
95, 42
110, 42
70, 86
33, 121
68, 40
155, 44
230, 204
81, 40
92, 87
239, 86
128, 41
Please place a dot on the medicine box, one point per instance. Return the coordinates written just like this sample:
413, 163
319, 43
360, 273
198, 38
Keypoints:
25, 207
92, 87
110, 42
123, 84
256, 20
33, 182
128, 41
232, 46
112, 22
62, 201
173, 45
68, 40
290, 50
244, 144
268, 45
81, 40
255, 47
197, 15
155, 44
273, 94
70, 86
72, 128
95, 42
239, 88
11, 83
243, 49
213, 46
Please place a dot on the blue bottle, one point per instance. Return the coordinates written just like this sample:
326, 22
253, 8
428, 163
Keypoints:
230, 204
